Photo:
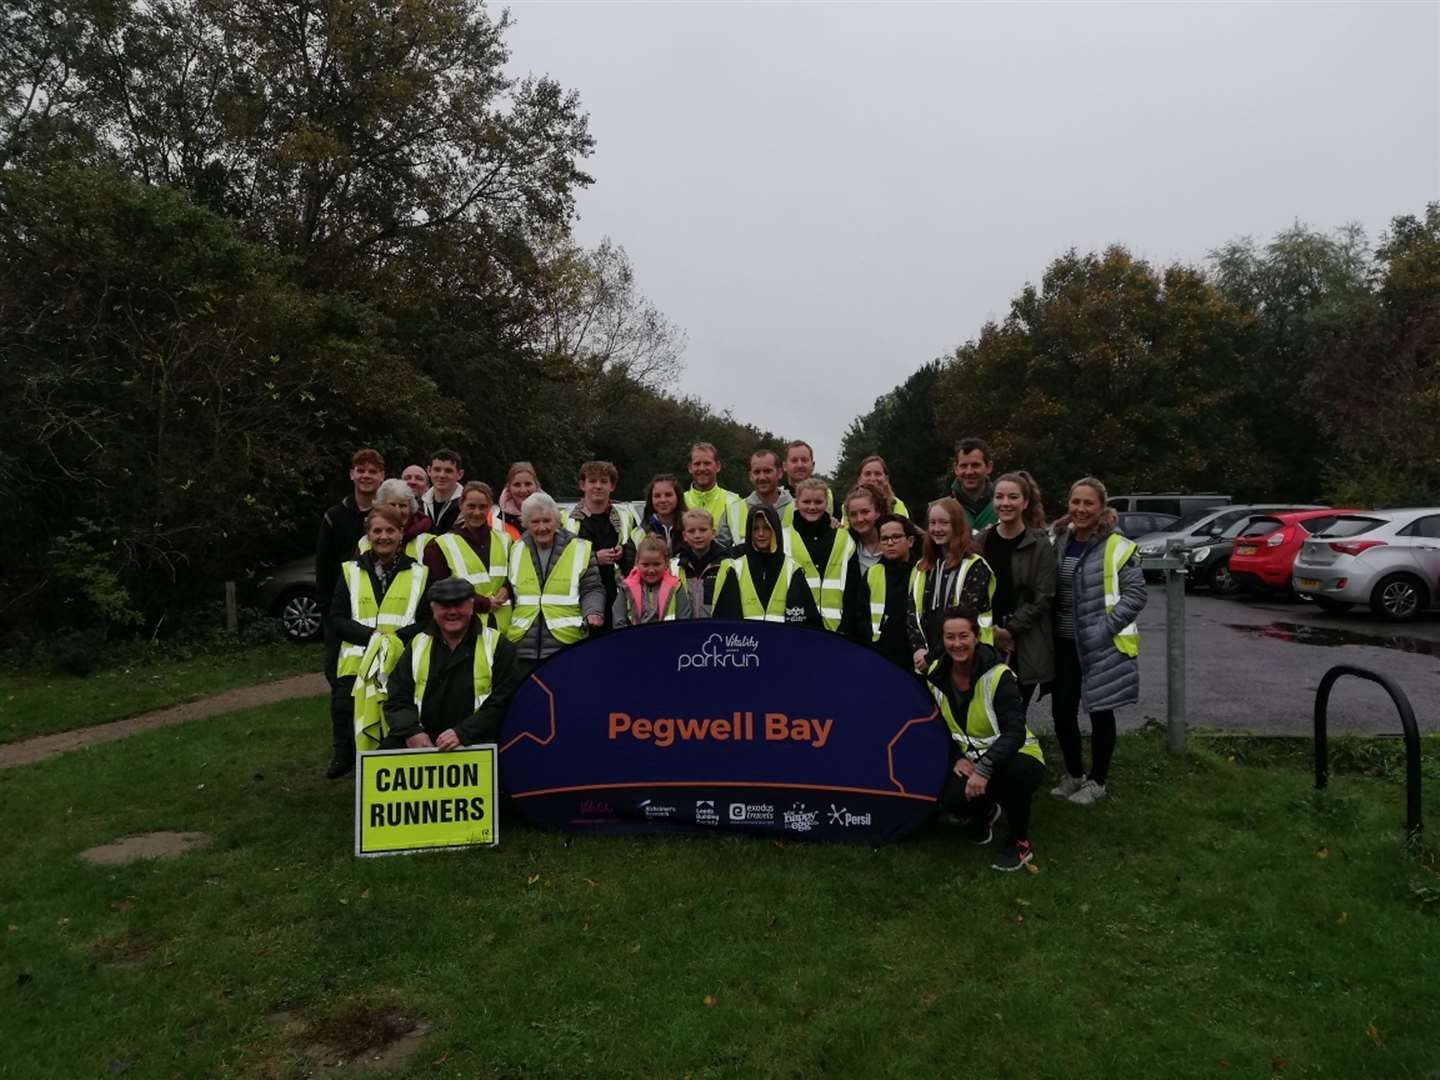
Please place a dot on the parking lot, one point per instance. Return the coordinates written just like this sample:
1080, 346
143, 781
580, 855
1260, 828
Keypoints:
1253, 665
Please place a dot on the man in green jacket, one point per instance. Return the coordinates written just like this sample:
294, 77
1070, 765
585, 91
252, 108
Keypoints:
465, 671
972, 487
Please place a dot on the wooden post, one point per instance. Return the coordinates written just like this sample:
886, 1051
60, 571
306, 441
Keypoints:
232, 611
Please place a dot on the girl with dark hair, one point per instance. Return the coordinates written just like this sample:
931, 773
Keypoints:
663, 511
950, 573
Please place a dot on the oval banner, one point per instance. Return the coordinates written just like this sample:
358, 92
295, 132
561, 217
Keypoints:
757, 727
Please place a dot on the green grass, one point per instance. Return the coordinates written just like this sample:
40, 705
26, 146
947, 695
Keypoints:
42, 704
1213, 918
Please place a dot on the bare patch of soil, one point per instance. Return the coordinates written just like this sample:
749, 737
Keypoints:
127, 950
154, 845
246, 697
363, 1037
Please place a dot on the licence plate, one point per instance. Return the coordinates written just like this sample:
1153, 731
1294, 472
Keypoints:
1247, 550
1309, 583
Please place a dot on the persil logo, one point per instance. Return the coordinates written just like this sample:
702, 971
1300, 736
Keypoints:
842, 817
722, 651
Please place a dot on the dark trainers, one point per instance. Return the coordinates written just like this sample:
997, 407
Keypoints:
981, 830
340, 765
1013, 856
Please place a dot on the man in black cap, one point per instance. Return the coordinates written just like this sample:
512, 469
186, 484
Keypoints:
454, 680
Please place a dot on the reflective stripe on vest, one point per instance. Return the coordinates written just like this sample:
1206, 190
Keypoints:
829, 590
750, 606
875, 579
397, 609
420, 648
981, 727
558, 599
986, 618
1117, 553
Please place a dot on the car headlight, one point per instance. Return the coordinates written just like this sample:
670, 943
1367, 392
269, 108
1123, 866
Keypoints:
1199, 555
1150, 549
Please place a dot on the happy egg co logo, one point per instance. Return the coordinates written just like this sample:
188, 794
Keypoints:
722, 651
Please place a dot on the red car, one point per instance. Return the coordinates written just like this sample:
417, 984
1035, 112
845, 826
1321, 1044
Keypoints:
1265, 551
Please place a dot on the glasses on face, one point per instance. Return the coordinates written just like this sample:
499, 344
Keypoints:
891, 538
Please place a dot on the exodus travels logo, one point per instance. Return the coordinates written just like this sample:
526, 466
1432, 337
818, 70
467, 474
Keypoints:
705, 813
801, 818
722, 651
842, 817
752, 813
654, 810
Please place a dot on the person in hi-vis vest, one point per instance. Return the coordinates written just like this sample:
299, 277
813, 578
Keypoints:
373, 613
455, 678
559, 597
762, 582
477, 551
996, 764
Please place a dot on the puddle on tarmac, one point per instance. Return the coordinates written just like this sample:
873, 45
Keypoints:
1329, 637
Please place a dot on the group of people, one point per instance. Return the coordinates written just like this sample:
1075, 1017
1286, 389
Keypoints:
444, 597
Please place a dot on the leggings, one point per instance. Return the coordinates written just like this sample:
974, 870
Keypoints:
1065, 711
1013, 787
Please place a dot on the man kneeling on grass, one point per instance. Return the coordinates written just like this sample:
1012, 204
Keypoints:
454, 680
995, 761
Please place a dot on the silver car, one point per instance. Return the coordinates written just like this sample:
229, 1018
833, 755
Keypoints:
1389, 559
1206, 534
289, 595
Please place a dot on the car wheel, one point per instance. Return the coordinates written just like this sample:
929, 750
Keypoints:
300, 615
1399, 598
1324, 603
1222, 582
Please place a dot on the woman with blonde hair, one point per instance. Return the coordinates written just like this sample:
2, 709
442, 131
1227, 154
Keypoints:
950, 573
875, 473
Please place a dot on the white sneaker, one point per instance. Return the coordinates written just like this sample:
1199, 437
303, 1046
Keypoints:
1088, 793
1067, 786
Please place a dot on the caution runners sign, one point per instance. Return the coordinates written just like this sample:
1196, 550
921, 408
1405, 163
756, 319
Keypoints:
420, 800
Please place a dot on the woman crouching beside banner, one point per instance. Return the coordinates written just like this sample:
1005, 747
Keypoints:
559, 597
373, 614
996, 762
762, 582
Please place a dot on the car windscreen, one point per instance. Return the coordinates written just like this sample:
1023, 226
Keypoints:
1261, 526
1192, 518
1351, 526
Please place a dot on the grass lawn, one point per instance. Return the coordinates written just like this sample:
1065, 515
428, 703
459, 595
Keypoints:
41, 704
1213, 918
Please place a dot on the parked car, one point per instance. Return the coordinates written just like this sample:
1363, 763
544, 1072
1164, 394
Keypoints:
1206, 536
1265, 551
289, 595
1389, 559
1166, 502
1136, 525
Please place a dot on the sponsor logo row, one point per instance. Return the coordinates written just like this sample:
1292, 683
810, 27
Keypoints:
797, 817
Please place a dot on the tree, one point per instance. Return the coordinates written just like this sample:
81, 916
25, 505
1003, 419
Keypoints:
902, 428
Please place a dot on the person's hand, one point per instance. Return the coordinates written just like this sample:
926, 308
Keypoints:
976, 785
447, 740
919, 659
418, 742
964, 767
1004, 640
594, 621
609, 556
500, 596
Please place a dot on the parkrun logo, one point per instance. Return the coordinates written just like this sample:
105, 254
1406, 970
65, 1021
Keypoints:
722, 651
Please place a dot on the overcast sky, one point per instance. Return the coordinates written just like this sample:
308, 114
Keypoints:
826, 196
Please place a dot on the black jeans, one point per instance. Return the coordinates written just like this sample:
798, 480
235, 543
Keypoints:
342, 716
1013, 786
1065, 700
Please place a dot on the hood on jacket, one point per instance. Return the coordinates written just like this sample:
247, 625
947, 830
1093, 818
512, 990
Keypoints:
772, 518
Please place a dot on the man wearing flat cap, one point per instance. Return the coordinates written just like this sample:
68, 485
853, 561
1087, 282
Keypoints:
454, 680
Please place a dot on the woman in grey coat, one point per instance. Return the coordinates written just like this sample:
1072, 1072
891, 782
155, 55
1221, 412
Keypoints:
1096, 640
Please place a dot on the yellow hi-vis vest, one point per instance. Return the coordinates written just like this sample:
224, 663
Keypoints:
486, 640
1117, 553
986, 620
414, 547
558, 599
397, 609
627, 522
876, 581
981, 728
723, 506
750, 606
465, 562
829, 590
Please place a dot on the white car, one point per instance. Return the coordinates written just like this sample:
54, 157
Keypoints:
1389, 559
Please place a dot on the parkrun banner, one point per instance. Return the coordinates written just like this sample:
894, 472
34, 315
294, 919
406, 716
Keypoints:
751, 726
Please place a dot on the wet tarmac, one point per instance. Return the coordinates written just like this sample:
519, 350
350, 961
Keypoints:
1254, 666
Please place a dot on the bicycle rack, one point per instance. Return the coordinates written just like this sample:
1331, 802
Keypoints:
1414, 824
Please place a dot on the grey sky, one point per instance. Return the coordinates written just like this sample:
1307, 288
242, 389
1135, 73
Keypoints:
825, 196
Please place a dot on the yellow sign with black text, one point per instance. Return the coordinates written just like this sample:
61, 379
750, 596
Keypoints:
426, 799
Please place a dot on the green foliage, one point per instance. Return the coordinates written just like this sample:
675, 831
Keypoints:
903, 429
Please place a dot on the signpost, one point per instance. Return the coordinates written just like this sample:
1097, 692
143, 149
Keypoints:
423, 800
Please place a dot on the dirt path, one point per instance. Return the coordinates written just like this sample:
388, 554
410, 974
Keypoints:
246, 697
